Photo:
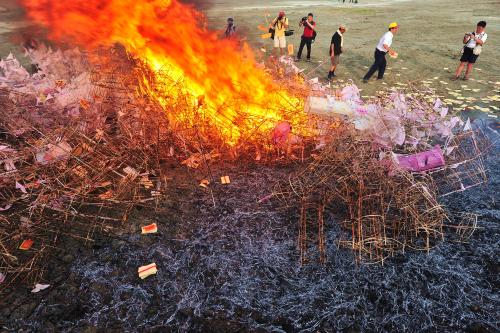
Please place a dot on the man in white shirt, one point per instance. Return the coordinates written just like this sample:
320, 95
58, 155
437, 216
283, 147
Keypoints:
473, 40
383, 47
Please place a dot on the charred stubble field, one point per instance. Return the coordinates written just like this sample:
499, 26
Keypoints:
234, 267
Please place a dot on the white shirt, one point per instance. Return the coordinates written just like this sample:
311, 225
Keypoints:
341, 38
472, 43
386, 39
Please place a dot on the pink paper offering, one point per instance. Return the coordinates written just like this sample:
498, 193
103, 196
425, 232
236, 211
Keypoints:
422, 161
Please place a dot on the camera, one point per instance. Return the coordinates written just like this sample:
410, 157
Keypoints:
304, 19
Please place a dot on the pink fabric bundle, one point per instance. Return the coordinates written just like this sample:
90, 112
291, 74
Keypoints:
422, 161
281, 133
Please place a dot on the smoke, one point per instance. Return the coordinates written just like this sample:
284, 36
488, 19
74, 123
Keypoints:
200, 4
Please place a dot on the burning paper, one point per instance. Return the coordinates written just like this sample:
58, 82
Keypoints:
145, 271
204, 183
26, 245
149, 229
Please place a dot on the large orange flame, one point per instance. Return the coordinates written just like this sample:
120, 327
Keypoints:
239, 97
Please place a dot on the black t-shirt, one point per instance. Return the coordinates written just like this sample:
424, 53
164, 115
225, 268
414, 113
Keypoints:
337, 44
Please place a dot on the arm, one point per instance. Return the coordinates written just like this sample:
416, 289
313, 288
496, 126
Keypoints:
285, 23
273, 23
312, 26
479, 41
466, 38
391, 51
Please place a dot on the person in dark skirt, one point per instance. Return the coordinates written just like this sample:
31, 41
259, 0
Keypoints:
473, 43
383, 47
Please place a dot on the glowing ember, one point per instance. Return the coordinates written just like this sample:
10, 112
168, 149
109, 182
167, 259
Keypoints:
217, 75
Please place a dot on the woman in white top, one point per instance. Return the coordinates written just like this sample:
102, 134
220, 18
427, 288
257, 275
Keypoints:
472, 41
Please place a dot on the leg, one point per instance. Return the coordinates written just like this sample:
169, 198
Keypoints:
381, 68
276, 46
459, 69
301, 47
309, 46
282, 44
469, 70
374, 67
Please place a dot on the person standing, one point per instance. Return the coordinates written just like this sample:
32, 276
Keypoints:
230, 29
473, 43
383, 47
280, 24
308, 35
336, 50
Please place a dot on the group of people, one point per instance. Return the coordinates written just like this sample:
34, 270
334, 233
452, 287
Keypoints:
472, 41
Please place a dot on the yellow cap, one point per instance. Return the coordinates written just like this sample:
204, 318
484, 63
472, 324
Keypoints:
393, 25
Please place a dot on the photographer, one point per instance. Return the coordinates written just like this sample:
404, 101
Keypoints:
230, 28
473, 43
279, 25
308, 35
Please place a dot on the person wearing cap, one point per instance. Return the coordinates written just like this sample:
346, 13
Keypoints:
383, 47
470, 54
280, 24
308, 35
230, 29
336, 49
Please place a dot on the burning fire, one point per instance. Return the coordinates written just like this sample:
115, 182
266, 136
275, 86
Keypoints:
237, 96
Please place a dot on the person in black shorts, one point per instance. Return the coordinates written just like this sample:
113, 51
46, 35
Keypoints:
473, 42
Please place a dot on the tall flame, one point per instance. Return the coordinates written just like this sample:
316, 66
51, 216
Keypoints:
166, 33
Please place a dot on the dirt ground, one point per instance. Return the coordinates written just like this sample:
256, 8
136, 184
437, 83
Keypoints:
428, 43
234, 267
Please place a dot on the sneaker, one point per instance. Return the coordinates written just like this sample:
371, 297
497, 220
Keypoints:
308, 60
297, 59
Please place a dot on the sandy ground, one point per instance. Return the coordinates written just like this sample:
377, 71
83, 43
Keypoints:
428, 43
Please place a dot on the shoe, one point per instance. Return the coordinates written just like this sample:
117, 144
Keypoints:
380, 78
296, 59
454, 78
308, 60
365, 81
333, 75
465, 78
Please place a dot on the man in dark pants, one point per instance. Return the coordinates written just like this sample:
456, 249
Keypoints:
308, 35
336, 50
383, 47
